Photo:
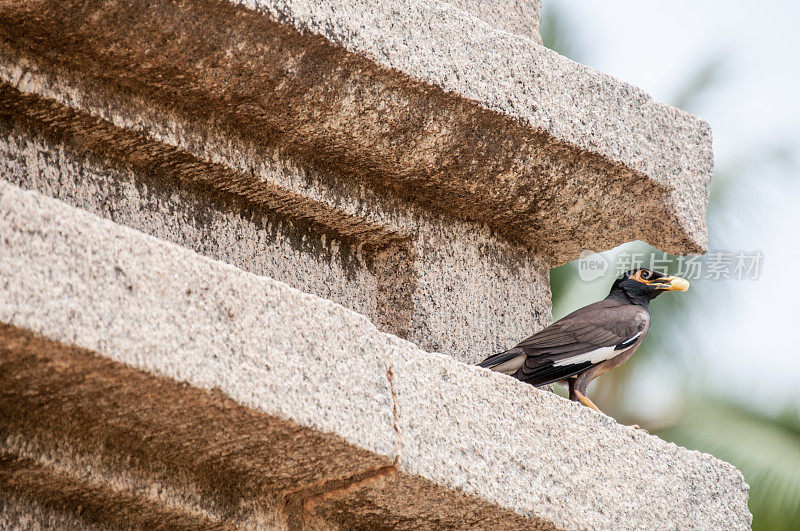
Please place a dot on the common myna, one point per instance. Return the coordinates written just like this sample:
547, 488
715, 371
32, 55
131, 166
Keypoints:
590, 341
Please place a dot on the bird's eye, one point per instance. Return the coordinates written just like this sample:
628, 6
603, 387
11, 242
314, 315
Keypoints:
645, 274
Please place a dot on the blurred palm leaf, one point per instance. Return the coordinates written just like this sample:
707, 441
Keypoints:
765, 448
556, 33
711, 73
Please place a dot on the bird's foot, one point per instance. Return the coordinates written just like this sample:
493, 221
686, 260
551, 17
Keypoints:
585, 400
637, 427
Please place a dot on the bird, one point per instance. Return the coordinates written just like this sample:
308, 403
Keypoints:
590, 341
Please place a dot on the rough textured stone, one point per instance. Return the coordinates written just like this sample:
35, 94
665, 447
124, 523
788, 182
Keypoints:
88, 441
141, 445
23, 514
50, 497
420, 162
414, 99
403, 501
437, 43
447, 285
544, 456
166, 310
379, 167
522, 17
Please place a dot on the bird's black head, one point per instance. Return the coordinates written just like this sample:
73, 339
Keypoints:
640, 286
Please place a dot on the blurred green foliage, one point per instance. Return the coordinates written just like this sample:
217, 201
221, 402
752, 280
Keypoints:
766, 448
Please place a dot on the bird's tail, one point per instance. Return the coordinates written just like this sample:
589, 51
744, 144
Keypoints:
506, 362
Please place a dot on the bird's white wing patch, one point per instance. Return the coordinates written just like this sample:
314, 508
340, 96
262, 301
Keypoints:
598, 355
593, 356
628, 343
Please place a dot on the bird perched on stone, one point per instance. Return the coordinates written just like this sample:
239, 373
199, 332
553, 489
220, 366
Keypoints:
590, 341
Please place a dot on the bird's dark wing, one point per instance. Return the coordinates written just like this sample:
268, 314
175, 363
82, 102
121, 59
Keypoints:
579, 341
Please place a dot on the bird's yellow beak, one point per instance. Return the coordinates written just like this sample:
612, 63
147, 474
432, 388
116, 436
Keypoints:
673, 284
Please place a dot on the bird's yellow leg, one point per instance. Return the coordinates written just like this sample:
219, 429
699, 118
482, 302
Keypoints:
585, 401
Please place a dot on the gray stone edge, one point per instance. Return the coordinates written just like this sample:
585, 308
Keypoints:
438, 43
79, 279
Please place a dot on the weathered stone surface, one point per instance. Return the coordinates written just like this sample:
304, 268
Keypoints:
378, 167
164, 309
420, 162
522, 17
34, 494
403, 501
543, 456
414, 99
88, 442
447, 285
22, 514
574, 104
168, 311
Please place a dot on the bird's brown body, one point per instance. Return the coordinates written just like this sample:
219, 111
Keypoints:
642, 324
590, 341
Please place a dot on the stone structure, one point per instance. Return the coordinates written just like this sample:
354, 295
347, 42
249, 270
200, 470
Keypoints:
232, 233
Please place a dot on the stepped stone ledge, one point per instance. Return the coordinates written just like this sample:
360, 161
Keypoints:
193, 387
250, 252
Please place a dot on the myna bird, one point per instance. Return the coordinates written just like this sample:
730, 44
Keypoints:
590, 341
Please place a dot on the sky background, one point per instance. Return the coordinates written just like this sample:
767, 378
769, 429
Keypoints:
745, 334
